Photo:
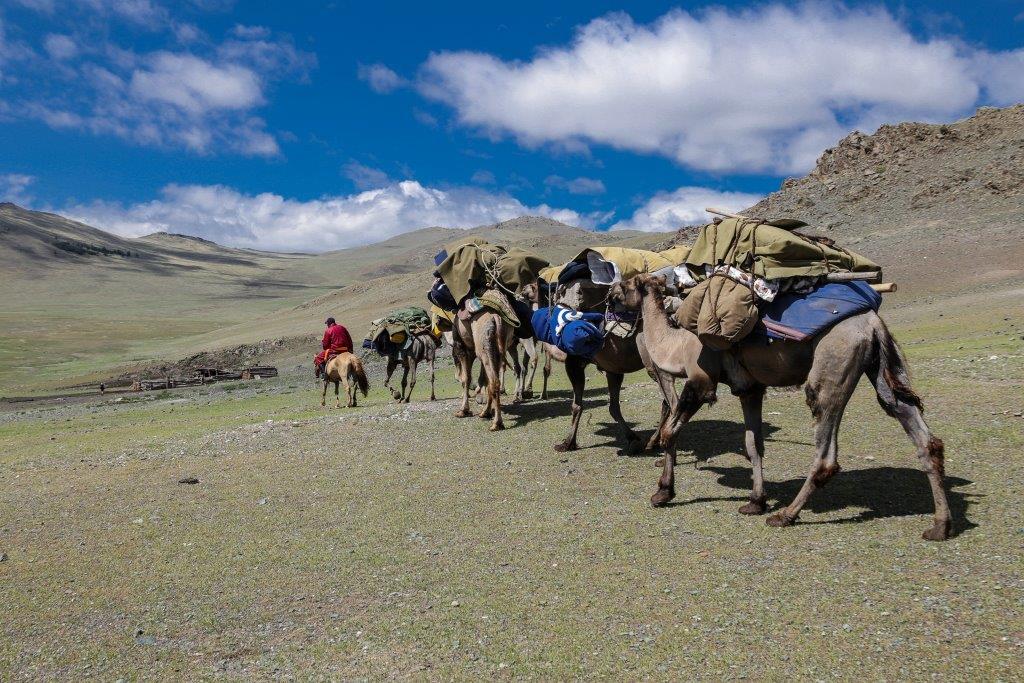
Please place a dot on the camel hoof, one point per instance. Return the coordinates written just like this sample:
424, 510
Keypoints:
527, 394
660, 462
565, 446
754, 507
938, 532
462, 413
497, 427
779, 520
662, 497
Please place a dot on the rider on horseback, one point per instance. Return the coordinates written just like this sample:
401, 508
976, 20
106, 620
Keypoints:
336, 340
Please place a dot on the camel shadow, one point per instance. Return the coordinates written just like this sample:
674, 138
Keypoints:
701, 440
879, 492
557, 404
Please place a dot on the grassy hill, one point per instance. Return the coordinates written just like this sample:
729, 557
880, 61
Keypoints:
81, 303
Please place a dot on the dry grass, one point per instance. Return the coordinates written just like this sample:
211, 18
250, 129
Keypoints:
390, 541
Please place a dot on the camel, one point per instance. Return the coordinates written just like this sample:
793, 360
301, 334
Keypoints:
828, 365
345, 367
486, 335
618, 356
422, 349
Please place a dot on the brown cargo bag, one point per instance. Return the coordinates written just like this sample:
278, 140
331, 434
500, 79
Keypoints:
720, 311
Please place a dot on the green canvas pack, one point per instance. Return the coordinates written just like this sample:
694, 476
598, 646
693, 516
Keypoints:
770, 252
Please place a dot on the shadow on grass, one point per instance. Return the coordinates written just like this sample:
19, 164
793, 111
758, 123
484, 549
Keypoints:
880, 491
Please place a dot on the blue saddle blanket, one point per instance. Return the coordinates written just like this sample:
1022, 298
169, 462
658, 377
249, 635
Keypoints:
800, 316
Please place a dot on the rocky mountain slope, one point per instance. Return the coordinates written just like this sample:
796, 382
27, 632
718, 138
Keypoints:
940, 206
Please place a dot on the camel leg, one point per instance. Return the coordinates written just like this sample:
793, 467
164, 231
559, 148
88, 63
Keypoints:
827, 397
633, 442
412, 380
753, 436
492, 359
517, 369
466, 374
691, 398
530, 360
546, 374
667, 385
575, 368
481, 383
899, 401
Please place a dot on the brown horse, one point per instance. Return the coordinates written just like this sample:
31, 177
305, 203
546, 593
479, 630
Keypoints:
828, 365
345, 367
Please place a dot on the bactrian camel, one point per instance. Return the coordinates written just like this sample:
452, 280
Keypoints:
829, 366
423, 348
617, 357
487, 336
345, 367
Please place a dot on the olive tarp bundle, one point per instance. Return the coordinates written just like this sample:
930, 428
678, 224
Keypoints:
472, 266
722, 308
770, 252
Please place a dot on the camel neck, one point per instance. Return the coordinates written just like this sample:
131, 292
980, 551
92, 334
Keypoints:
653, 307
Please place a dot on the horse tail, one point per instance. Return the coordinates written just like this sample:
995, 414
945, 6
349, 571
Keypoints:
358, 373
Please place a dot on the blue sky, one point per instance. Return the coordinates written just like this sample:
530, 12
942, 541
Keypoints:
319, 125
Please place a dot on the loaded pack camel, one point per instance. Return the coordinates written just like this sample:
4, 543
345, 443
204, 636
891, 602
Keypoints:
829, 366
617, 357
345, 367
486, 335
422, 349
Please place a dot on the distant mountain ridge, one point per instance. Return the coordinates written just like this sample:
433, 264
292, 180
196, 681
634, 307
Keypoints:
127, 300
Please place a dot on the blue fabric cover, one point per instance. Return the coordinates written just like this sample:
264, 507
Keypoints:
801, 316
578, 337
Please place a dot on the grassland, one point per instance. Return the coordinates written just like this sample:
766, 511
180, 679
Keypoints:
399, 542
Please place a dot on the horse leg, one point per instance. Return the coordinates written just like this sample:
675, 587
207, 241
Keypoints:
400, 398
350, 388
827, 398
432, 396
337, 397
633, 442
576, 369
323, 398
753, 436
412, 379
392, 365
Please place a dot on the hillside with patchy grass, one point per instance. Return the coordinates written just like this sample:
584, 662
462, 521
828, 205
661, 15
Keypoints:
82, 305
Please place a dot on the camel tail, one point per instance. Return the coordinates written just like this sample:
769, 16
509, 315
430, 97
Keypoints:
356, 372
888, 372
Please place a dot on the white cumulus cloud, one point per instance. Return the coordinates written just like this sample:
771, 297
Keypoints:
672, 210
14, 188
380, 78
762, 89
270, 221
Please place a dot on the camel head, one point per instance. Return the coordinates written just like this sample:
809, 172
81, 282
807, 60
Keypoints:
629, 293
